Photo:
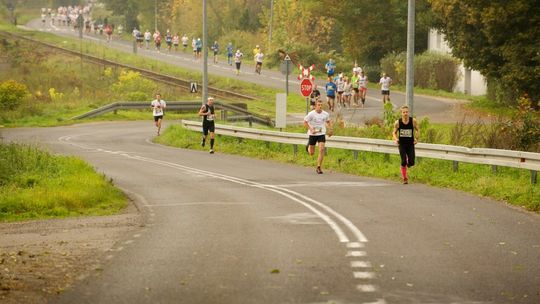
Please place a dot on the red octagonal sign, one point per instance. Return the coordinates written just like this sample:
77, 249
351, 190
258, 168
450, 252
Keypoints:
306, 87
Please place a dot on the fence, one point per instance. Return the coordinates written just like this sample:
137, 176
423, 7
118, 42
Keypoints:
493, 157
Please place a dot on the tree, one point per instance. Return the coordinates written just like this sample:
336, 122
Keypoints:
127, 8
499, 38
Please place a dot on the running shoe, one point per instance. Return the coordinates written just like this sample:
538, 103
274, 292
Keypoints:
211, 151
202, 143
405, 181
319, 171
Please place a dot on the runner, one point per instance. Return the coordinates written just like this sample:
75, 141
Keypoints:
256, 50
331, 89
385, 83
168, 40
158, 106
147, 38
317, 122
109, 31
406, 135
215, 48
355, 86
229, 53
194, 46
207, 111
157, 40
314, 97
238, 60
347, 92
198, 45
362, 82
184, 42
258, 62
330, 67
176, 41
340, 83
356, 68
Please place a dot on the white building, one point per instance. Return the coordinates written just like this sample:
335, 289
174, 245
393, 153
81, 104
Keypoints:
470, 82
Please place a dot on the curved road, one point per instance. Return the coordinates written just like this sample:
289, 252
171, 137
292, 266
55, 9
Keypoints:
229, 229
437, 109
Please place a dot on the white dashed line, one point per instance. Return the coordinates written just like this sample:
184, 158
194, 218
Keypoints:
363, 275
360, 264
355, 245
366, 288
356, 254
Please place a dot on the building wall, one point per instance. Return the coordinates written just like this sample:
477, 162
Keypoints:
472, 82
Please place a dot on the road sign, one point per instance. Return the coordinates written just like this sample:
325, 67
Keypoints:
306, 87
287, 58
286, 68
193, 87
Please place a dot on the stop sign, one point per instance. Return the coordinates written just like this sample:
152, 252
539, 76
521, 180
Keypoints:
306, 87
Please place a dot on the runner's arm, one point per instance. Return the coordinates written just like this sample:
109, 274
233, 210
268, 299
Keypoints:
394, 133
202, 112
416, 131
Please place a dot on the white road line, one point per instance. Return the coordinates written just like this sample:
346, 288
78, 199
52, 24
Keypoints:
355, 245
366, 288
198, 204
356, 253
363, 275
360, 264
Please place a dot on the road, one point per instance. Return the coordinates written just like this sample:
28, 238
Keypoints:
436, 109
228, 229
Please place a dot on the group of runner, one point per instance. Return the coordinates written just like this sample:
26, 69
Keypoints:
349, 91
318, 124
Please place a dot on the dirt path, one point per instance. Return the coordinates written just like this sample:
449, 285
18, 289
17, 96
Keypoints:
39, 259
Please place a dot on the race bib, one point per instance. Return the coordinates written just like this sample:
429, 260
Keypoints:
405, 133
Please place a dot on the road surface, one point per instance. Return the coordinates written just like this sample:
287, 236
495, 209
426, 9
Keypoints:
436, 109
228, 229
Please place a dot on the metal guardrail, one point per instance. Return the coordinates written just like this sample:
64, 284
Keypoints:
180, 105
494, 157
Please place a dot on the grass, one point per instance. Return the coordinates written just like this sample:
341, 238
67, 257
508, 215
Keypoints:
508, 184
35, 184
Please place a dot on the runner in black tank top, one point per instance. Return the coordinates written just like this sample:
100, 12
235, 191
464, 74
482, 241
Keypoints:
406, 136
208, 113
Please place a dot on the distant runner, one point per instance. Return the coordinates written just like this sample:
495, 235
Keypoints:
385, 83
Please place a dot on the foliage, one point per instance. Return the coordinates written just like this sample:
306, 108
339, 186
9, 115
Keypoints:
11, 94
498, 38
524, 128
432, 70
133, 87
37, 184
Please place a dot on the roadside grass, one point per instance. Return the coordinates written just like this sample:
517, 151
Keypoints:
508, 184
35, 184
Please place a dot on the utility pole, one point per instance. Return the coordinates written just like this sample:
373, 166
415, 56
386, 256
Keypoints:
271, 21
410, 57
205, 56
155, 15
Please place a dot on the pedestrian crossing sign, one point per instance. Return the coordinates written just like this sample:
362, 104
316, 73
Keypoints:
193, 87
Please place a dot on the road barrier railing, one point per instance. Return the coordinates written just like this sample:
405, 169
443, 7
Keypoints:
493, 157
180, 105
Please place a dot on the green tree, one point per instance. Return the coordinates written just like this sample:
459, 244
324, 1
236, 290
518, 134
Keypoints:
127, 8
11, 94
499, 38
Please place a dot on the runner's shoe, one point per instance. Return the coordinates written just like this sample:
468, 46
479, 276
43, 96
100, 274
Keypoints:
405, 181
211, 151
319, 171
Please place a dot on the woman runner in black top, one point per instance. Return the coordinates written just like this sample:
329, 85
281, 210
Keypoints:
208, 113
406, 135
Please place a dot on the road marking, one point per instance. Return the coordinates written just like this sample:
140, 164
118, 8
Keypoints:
356, 253
363, 275
333, 184
355, 245
366, 288
360, 264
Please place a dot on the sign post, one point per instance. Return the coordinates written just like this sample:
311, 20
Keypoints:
306, 83
286, 70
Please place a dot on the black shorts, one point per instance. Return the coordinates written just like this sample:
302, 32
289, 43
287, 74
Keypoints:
156, 118
331, 96
314, 139
238, 65
208, 126
355, 90
385, 92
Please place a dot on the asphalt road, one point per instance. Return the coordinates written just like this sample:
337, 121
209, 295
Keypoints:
229, 229
436, 109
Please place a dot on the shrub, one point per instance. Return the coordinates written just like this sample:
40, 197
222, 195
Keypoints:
12, 94
432, 70
131, 85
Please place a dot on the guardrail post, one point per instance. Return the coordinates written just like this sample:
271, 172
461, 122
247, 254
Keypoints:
386, 157
250, 119
455, 165
267, 144
355, 154
115, 112
533, 177
494, 169
295, 149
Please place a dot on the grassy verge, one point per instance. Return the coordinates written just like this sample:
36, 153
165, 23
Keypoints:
35, 184
508, 184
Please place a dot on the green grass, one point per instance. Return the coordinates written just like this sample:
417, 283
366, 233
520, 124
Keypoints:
35, 184
508, 184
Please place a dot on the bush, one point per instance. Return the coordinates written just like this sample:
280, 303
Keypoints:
12, 94
131, 85
432, 70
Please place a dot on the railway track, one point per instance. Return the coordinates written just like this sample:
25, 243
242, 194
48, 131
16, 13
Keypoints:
159, 77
